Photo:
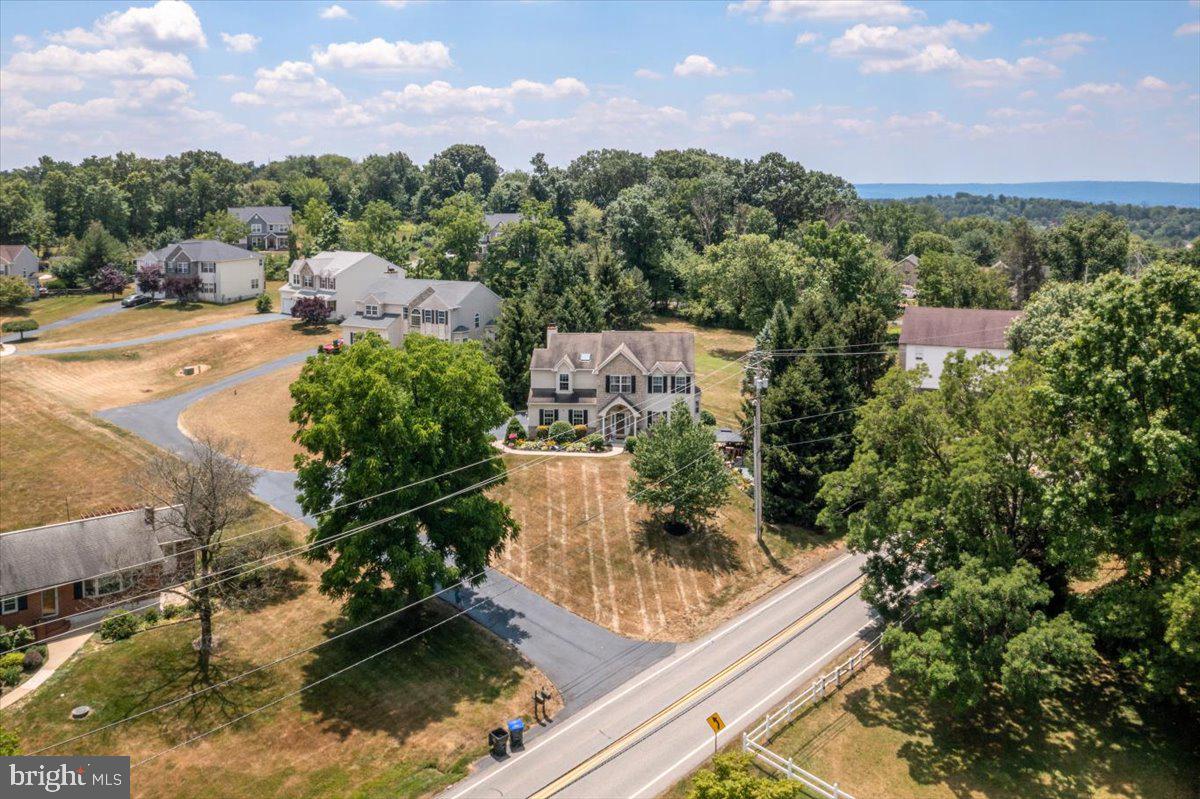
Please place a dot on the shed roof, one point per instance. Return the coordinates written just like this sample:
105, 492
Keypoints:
956, 327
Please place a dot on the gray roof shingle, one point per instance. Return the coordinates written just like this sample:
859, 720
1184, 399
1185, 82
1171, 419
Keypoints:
402, 290
271, 214
209, 250
648, 346
956, 327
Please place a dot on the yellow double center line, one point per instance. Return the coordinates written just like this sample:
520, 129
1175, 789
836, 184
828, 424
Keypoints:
712, 683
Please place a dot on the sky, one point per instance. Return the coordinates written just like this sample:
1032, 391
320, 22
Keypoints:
872, 90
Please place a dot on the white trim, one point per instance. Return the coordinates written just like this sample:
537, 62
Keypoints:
628, 353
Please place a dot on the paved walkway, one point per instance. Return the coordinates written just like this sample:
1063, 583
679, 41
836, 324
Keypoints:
171, 335
584, 660
59, 650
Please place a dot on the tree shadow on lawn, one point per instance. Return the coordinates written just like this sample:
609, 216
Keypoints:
305, 329
727, 354
413, 685
707, 549
1070, 747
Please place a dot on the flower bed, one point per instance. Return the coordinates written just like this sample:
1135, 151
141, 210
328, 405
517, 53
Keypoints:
590, 442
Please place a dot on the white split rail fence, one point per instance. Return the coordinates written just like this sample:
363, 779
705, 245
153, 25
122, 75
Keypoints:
755, 740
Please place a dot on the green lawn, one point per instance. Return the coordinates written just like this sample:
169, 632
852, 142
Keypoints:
52, 309
716, 347
877, 739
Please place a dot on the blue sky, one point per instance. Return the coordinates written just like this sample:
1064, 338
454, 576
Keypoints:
884, 90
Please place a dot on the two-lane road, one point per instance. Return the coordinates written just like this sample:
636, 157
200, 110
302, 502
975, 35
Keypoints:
643, 736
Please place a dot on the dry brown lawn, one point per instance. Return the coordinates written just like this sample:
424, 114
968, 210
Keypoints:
254, 412
620, 570
57, 462
716, 348
110, 378
52, 309
407, 723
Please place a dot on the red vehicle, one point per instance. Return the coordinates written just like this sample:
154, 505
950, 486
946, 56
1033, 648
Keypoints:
331, 349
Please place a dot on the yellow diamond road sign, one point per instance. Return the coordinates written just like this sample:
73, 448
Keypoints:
716, 722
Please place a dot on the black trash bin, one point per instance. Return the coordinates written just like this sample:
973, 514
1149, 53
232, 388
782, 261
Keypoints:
498, 741
516, 733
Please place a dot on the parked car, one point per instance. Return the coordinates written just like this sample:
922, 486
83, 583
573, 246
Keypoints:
331, 349
136, 299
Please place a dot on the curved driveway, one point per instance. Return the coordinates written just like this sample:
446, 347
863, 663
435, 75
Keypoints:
584, 660
107, 309
171, 335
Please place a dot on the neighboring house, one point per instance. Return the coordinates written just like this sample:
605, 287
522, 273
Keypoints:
338, 277
54, 571
270, 226
617, 382
20, 261
227, 273
452, 310
907, 268
928, 335
492, 224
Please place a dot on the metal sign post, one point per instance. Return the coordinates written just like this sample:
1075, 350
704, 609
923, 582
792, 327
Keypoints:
717, 723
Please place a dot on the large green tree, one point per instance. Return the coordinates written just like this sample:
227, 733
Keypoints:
639, 231
955, 281
374, 418
457, 228
1085, 247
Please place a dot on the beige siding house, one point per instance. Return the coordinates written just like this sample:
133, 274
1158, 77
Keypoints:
227, 273
337, 276
20, 261
617, 382
452, 310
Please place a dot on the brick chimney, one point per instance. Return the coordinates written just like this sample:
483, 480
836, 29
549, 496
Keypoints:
551, 331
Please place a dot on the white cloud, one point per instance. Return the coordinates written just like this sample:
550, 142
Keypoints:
168, 24
1188, 29
1154, 84
647, 74
379, 55
806, 38
924, 120
699, 66
1085, 90
295, 81
739, 100
1007, 112
1028, 94
1064, 45
240, 42
864, 40
154, 89
20, 83
827, 10
615, 116
22, 42
334, 12
970, 72
734, 119
247, 98
440, 97
56, 58
229, 77
393, 3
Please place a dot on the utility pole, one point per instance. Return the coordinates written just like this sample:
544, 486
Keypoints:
760, 382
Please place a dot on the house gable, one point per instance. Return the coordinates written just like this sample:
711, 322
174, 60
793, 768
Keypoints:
621, 361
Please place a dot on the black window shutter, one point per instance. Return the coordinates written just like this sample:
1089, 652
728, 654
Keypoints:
23, 602
585, 419
556, 414
78, 590
608, 384
672, 384
633, 384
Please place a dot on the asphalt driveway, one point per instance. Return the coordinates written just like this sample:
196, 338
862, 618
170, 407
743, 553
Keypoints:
584, 660
171, 335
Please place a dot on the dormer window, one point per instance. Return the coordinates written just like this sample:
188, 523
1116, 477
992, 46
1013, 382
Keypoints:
658, 384
371, 311
564, 381
681, 384
308, 281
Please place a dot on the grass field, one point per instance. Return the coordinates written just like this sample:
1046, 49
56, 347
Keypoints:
876, 739
145, 320
620, 570
715, 348
108, 378
407, 723
52, 309
256, 412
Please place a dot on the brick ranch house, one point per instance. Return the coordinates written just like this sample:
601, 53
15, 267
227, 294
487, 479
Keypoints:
54, 571
618, 382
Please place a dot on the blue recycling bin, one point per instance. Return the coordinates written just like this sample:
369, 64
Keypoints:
516, 733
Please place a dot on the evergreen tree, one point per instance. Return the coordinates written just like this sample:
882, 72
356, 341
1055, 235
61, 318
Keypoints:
580, 311
516, 336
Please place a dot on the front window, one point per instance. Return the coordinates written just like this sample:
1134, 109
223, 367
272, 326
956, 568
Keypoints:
476, 320
253, 282
564, 381
681, 384
103, 586
547, 416
619, 384
295, 280
427, 316
441, 317
404, 312
208, 268
658, 384
578, 416
308, 281
256, 228
371, 311
10, 604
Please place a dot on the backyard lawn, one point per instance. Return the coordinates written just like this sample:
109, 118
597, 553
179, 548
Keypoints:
52, 309
715, 348
878, 740
407, 723
621, 570
144, 320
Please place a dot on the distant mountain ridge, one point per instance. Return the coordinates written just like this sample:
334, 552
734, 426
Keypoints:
1133, 192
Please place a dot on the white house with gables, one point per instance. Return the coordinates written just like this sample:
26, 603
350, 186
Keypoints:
226, 273
270, 226
452, 310
929, 335
339, 277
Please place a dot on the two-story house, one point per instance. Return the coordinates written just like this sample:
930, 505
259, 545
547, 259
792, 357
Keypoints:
50, 573
492, 224
270, 226
617, 382
226, 273
929, 335
19, 260
339, 277
452, 310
